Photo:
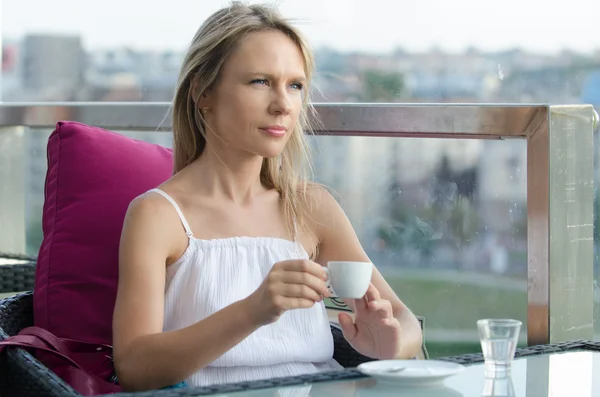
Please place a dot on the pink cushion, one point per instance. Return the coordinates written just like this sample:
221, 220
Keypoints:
92, 176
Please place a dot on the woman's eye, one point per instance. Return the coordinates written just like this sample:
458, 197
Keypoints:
294, 86
260, 81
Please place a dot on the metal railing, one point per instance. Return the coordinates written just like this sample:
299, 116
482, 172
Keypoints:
560, 180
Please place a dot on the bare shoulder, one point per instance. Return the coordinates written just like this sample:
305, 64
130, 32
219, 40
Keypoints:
326, 215
322, 203
151, 218
149, 206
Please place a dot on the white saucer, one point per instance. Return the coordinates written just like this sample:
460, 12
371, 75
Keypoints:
414, 372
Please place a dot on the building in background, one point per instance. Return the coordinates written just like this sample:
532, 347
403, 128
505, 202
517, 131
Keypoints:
53, 67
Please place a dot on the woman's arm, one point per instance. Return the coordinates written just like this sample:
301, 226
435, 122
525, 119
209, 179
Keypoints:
145, 357
338, 242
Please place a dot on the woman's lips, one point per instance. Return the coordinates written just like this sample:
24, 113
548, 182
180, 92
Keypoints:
274, 131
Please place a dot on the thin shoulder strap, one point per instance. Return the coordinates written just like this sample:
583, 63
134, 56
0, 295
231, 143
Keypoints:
186, 226
295, 236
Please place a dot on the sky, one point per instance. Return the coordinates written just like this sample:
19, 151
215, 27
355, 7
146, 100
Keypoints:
373, 25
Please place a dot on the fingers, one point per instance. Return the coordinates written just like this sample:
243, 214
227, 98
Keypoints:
360, 305
283, 303
372, 293
381, 308
304, 265
348, 327
373, 305
298, 303
303, 272
295, 283
309, 280
300, 291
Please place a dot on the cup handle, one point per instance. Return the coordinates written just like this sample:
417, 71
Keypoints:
328, 284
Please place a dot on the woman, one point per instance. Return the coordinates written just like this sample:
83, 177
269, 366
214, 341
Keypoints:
220, 276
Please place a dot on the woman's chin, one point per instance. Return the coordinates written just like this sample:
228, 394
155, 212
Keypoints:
270, 155
270, 151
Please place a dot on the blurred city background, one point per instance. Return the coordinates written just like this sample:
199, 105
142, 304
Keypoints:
444, 220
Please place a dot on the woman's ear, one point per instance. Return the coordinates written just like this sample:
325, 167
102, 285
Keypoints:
203, 101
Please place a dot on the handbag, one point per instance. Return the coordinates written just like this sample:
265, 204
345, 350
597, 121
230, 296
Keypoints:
86, 367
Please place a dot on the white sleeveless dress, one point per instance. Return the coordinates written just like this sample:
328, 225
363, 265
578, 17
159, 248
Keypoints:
213, 274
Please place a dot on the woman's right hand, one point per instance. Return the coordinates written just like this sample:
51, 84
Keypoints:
292, 284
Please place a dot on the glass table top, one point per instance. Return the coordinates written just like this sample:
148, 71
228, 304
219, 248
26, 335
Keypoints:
575, 374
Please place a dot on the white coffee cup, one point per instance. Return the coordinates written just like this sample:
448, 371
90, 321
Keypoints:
348, 279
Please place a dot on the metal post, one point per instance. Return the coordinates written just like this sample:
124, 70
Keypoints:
560, 172
1, 52
12, 190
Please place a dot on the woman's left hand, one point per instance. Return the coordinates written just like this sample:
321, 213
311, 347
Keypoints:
374, 332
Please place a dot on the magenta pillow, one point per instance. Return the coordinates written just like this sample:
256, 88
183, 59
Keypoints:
93, 174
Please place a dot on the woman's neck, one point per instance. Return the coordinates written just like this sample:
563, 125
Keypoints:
233, 177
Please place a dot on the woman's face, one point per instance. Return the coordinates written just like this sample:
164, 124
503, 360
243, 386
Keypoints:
257, 101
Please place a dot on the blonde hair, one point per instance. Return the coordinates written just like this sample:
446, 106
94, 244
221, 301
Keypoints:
213, 43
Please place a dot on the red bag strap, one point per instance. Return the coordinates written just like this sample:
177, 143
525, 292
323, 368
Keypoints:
34, 342
64, 345
82, 381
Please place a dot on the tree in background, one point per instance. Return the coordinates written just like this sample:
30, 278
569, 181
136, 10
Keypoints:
452, 205
381, 86
449, 218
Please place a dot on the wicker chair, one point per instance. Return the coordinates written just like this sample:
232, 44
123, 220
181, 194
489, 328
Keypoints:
22, 375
